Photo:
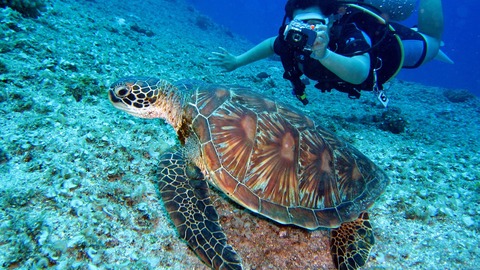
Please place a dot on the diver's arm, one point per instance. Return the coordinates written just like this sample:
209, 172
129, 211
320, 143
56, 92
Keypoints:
231, 62
261, 51
352, 69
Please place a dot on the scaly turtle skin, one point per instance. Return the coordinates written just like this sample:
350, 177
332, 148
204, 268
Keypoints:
266, 156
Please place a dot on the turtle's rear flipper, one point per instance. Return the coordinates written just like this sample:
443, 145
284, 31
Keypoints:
351, 243
185, 194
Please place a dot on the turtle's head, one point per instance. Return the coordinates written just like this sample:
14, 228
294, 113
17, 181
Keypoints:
144, 97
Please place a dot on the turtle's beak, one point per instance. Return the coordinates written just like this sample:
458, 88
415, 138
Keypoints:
113, 98
120, 104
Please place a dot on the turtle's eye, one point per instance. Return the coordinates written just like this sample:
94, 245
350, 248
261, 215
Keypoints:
122, 91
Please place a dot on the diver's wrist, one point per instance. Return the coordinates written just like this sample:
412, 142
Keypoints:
315, 55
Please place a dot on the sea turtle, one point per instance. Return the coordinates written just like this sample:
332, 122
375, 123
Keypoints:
265, 156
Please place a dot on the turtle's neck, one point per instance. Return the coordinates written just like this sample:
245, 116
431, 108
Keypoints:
170, 104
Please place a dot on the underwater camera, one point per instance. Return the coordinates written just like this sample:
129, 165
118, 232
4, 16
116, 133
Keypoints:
300, 35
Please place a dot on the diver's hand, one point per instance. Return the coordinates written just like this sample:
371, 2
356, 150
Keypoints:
224, 59
319, 48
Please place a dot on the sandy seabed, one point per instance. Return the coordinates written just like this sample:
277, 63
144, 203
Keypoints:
77, 176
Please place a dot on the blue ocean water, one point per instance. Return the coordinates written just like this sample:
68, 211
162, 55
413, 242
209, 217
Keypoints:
257, 20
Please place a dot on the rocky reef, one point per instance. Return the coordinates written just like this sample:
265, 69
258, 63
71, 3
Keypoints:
28, 8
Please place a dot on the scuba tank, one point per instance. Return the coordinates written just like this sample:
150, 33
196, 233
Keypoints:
396, 10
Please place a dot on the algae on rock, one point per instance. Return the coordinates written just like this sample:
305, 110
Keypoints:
28, 8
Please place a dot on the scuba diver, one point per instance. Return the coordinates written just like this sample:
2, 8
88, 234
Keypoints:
348, 45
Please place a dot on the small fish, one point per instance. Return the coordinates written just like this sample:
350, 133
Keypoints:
263, 75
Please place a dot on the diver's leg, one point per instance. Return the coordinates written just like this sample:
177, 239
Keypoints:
430, 18
432, 47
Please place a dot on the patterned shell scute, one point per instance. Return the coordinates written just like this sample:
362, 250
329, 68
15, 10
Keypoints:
211, 98
275, 161
299, 120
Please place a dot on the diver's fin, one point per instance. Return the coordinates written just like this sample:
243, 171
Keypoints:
430, 18
441, 56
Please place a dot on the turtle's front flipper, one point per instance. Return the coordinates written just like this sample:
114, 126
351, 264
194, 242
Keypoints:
351, 243
185, 194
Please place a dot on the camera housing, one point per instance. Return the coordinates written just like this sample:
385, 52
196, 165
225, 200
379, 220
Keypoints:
300, 35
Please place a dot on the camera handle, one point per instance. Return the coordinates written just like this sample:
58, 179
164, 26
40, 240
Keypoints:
298, 86
299, 91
